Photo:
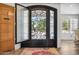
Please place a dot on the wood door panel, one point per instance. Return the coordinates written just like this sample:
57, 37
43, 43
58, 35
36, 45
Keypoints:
3, 46
4, 28
5, 8
7, 28
4, 19
11, 20
11, 46
3, 11
0, 19
7, 36
0, 10
10, 36
3, 36
7, 19
11, 28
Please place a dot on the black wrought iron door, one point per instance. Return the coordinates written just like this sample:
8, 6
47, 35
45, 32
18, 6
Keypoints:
43, 26
40, 26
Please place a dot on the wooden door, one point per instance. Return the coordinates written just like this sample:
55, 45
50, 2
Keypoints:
6, 28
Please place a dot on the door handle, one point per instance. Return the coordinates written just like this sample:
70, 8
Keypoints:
6, 19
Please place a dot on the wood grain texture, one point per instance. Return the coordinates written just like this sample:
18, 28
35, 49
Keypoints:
6, 28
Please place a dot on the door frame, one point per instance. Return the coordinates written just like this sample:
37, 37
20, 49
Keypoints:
34, 6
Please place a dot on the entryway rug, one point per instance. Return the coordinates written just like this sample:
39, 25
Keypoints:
40, 51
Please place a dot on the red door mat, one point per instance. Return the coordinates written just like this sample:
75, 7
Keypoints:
39, 51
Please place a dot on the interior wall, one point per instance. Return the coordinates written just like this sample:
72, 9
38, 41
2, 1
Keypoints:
69, 8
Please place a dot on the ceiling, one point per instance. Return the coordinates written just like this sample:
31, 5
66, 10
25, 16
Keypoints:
65, 8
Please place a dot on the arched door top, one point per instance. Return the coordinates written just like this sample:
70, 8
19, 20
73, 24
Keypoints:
41, 6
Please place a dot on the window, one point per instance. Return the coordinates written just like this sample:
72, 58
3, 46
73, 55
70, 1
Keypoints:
69, 23
66, 25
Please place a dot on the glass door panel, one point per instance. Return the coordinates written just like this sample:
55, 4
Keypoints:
38, 24
51, 24
22, 23
25, 25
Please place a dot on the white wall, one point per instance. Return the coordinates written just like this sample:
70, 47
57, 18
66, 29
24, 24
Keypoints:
69, 8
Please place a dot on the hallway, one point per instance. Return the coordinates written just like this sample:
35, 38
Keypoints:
69, 48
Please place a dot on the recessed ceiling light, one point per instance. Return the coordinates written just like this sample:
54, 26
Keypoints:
70, 5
